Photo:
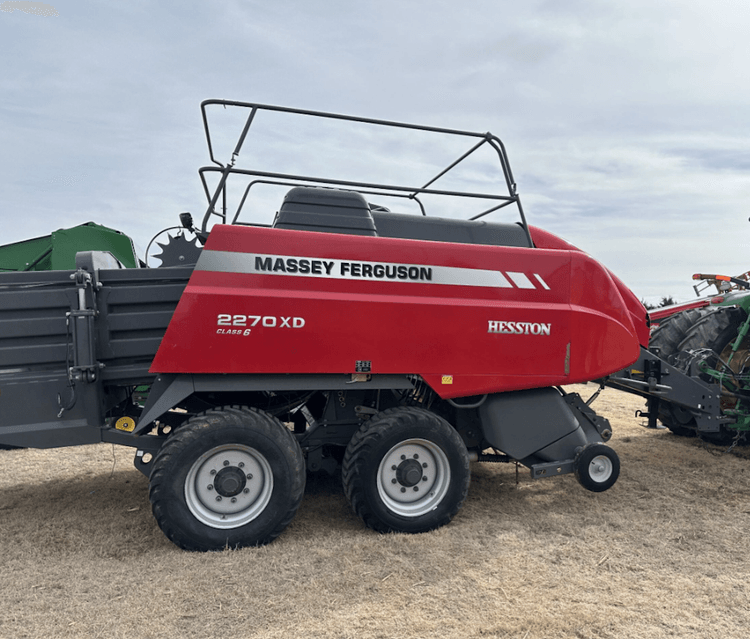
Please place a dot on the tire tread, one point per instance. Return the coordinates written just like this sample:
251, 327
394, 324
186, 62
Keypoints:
189, 433
361, 447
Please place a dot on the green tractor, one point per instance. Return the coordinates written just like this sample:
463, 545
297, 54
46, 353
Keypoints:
709, 341
57, 251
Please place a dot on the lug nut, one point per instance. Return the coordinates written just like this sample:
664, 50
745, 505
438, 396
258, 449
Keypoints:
416, 456
218, 497
393, 481
424, 465
246, 491
403, 490
403, 456
234, 499
226, 462
416, 488
213, 471
241, 464
210, 486
394, 467
249, 475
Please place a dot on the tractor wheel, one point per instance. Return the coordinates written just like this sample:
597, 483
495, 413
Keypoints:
667, 336
597, 467
406, 470
227, 478
716, 330
665, 342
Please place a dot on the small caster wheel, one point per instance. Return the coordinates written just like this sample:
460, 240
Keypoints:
597, 467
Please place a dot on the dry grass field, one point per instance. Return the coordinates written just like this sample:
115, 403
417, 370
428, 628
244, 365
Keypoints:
662, 554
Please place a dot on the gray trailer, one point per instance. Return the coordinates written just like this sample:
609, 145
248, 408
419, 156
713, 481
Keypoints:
74, 345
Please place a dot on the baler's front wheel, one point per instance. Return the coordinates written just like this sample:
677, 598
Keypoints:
597, 467
406, 470
227, 478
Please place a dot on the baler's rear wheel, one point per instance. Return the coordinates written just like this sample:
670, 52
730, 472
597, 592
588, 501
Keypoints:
406, 470
597, 467
227, 478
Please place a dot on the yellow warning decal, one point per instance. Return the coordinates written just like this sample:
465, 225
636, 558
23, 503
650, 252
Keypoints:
125, 423
447, 379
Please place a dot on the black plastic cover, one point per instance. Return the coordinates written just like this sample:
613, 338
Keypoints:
323, 209
436, 229
520, 423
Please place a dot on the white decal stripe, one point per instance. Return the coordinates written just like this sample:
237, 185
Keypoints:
506, 283
520, 280
232, 262
468, 277
541, 281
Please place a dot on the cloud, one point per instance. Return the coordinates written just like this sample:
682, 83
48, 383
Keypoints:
34, 8
626, 123
68, 180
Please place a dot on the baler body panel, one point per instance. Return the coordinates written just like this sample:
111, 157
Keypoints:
469, 319
636, 310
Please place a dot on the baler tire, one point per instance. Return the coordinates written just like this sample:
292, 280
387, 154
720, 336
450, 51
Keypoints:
428, 485
597, 467
243, 444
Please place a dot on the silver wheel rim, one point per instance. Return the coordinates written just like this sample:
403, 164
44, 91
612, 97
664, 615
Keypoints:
600, 468
228, 486
398, 486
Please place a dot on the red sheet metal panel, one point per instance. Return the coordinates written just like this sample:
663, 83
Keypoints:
469, 319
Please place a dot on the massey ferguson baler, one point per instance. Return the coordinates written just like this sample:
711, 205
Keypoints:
346, 336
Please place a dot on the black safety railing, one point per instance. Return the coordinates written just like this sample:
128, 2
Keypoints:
218, 206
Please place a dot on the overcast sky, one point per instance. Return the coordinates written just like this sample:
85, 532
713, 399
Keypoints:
626, 123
